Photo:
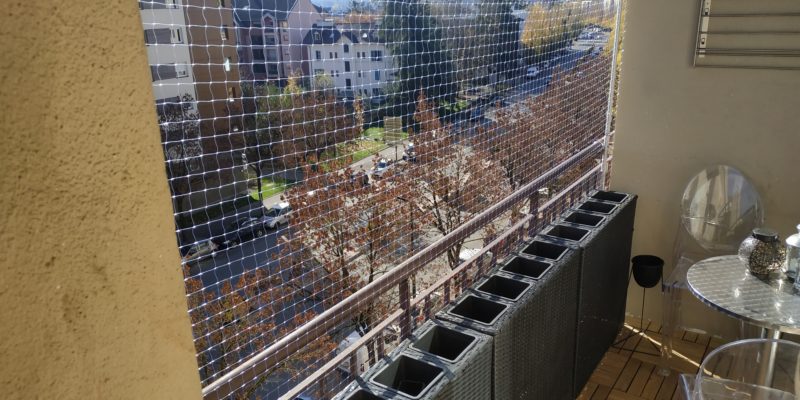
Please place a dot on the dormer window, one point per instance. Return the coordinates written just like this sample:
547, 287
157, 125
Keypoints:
317, 37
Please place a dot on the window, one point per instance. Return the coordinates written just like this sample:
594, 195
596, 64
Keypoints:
156, 4
227, 64
176, 36
269, 22
330, 54
347, 66
376, 92
377, 75
257, 40
348, 83
359, 73
335, 54
231, 93
163, 71
272, 69
376, 55
221, 3
223, 32
284, 24
259, 69
158, 36
318, 55
181, 70
258, 54
316, 37
272, 55
346, 48
270, 40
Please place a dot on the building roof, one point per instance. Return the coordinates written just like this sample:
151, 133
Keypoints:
329, 35
247, 11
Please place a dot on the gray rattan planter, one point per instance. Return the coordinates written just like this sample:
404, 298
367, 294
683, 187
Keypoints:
602, 227
464, 354
549, 321
491, 317
358, 390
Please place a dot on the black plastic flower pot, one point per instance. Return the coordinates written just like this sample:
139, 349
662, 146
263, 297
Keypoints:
546, 250
613, 197
598, 207
464, 354
361, 394
479, 309
504, 287
408, 376
584, 219
566, 232
526, 267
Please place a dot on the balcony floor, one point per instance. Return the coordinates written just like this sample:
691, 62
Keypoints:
627, 375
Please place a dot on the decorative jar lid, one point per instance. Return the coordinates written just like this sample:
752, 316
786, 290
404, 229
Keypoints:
765, 234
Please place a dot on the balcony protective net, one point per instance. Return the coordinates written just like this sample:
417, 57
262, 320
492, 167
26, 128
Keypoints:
311, 146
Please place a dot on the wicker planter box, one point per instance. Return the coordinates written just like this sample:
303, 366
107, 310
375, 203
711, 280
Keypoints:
602, 227
549, 317
464, 354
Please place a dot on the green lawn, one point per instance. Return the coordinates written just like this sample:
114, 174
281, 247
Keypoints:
269, 188
376, 133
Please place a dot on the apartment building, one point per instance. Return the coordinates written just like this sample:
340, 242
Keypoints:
166, 40
357, 60
270, 34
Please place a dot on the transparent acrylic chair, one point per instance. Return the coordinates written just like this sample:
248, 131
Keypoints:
719, 209
757, 369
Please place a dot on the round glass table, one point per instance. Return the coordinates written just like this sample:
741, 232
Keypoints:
725, 284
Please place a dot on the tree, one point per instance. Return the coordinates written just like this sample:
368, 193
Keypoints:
497, 36
567, 117
180, 133
422, 61
241, 318
454, 181
549, 28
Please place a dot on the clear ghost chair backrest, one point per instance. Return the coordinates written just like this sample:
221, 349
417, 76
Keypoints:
764, 369
719, 209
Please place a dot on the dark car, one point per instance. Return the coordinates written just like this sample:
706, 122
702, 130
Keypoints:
242, 230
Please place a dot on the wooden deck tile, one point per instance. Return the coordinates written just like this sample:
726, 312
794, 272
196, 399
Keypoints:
632, 370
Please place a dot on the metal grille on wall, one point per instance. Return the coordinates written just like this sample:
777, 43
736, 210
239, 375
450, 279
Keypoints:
340, 169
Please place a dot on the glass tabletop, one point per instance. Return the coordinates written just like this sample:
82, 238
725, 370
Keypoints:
725, 284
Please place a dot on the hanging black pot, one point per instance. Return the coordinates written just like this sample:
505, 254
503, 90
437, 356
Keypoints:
647, 270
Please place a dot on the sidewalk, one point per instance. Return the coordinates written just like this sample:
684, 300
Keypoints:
362, 165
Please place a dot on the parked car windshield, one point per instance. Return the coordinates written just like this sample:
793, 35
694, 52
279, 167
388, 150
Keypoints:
273, 212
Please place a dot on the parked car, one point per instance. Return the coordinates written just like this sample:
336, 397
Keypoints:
533, 72
200, 250
242, 230
278, 214
410, 154
380, 168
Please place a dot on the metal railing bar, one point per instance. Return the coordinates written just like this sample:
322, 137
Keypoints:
342, 310
425, 294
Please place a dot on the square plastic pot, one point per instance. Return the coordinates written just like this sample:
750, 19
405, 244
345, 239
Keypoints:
609, 196
583, 219
505, 287
598, 207
526, 267
566, 232
543, 249
357, 391
464, 354
408, 376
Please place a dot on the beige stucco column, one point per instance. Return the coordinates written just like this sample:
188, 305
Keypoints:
91, 294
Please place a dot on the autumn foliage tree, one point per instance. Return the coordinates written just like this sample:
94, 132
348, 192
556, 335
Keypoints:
241, 317
454, 181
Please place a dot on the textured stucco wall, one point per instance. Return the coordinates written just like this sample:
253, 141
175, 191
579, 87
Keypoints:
91, 290
674, 120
